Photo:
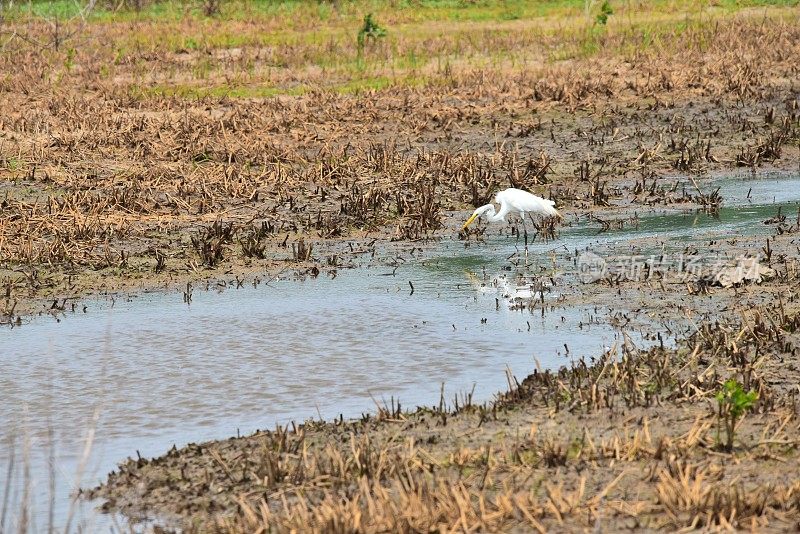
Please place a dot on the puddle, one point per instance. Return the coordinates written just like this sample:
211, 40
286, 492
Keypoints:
160, 372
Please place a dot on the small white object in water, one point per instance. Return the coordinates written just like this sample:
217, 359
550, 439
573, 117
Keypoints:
513, 290
516, 291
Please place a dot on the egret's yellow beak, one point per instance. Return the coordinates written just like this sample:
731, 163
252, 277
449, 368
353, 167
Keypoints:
558, 214
469, 221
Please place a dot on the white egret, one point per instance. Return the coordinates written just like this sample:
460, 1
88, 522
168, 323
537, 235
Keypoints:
516, 201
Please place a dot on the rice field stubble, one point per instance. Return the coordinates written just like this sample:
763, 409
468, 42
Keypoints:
138, 152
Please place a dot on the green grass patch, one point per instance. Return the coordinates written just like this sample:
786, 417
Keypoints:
305, 14
197, 93
355, 86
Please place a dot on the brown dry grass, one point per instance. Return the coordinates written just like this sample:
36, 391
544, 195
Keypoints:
119, 154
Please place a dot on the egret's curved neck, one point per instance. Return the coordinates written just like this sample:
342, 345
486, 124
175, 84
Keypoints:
501, 215
487, 210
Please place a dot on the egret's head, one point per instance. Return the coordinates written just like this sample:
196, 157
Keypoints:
477, 213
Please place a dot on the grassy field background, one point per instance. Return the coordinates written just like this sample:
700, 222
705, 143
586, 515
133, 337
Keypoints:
132, 137
424, 42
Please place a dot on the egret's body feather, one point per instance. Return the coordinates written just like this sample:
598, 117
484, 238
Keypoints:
517, 201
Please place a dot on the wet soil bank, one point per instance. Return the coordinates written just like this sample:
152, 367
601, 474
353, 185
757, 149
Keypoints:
631, 444
702, 434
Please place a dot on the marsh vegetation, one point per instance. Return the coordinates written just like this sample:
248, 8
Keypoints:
149, 144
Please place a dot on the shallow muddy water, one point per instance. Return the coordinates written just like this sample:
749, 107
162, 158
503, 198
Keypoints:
159, 372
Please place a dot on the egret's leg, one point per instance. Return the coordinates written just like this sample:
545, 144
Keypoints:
533, 222
525, 229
